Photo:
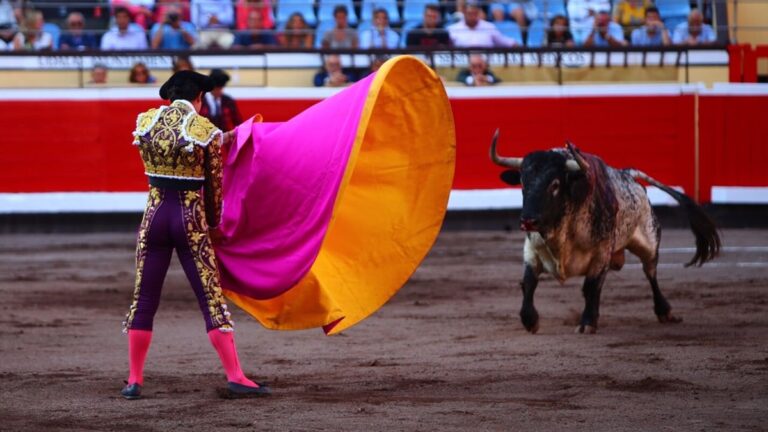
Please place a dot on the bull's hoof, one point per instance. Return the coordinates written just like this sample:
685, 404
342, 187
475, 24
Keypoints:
668, 318
534, 329
586, 329
530, 320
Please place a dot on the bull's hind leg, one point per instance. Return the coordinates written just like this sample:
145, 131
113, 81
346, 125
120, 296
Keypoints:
645, 245
593, 286
528, 314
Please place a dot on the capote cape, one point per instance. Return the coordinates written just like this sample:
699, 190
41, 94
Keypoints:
327, 215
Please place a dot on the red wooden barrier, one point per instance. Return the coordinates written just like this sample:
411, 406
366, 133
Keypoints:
68, 146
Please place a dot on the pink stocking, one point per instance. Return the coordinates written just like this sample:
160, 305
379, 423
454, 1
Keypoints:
138, 345
224, 343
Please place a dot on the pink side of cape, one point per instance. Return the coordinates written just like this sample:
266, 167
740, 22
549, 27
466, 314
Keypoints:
280, 185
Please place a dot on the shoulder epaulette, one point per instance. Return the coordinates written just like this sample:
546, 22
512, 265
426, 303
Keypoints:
199, 130
146, 121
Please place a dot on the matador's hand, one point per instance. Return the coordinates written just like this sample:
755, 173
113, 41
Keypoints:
228, 137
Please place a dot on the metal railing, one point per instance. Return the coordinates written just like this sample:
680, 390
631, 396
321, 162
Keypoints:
560, 60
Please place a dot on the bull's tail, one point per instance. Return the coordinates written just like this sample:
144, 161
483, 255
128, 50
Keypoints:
707, 237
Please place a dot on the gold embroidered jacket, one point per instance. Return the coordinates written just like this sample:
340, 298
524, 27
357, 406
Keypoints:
176, 142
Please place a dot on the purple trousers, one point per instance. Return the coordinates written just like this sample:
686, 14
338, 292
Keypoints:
175, 219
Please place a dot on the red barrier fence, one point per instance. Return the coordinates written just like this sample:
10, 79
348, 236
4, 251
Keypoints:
742, 63
85, 145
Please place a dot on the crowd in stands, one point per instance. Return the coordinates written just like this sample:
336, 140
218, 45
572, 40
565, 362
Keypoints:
344, 24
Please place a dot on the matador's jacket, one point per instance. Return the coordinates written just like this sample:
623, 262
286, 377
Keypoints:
181, 154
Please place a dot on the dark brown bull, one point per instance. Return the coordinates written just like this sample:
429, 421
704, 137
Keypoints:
580, 215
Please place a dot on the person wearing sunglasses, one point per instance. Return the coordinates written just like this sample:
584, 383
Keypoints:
75, 38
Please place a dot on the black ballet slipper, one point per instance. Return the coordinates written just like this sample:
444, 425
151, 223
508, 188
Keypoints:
131, 391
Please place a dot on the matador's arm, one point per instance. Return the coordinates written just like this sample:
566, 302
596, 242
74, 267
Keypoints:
212, 188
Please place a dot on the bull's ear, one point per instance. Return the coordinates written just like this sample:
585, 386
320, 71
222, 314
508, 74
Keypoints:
578, 186
511, 177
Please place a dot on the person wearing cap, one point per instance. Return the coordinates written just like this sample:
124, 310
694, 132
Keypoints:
181, 154
218, 107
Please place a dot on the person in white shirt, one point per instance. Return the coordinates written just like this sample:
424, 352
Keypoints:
32, 37
213, 19
381, 34
582, 17
7, 37
124, 36
477, 33
694, 31
140, 10
208, 14
7, 15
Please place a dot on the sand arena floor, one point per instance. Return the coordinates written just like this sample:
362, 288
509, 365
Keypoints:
447, 353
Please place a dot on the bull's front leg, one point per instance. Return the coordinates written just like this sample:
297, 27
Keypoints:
593, 285
528, 314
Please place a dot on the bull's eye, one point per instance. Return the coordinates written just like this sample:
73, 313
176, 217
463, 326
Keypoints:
554, 187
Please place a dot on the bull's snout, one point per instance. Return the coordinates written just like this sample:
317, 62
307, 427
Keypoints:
529, 224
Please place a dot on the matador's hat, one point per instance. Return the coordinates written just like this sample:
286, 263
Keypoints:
186, 78
327, 215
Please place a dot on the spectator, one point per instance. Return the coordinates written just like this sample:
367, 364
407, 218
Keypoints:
140, 10
653, 33
455, 13
7, 37
341, 36
98, 74
478, 74
213, 19
173, 33
380, 35
218, 107
431, 32
581, 15
32, 37
694, 32
244, 8
476, 32
75, 38
523, 12
7, 15
331, 75
140, 75
181, 63
162, 6
255, 36
630, 14
124, 36
377, 63
297, 33
605, 33
558, 34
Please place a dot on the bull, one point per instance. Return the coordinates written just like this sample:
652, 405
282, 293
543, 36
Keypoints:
580, 215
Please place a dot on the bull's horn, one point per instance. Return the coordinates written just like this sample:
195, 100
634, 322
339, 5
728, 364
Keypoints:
509, 162
572, 165
578, 162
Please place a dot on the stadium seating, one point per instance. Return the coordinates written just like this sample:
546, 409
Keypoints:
368, 6
408, 26
285, 8
55, 33
322, 28
673, 12
537, 33
413, 10
510, 29
550, 8
325, 10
